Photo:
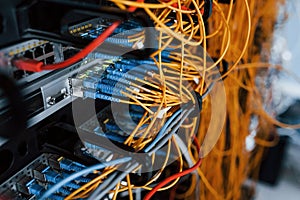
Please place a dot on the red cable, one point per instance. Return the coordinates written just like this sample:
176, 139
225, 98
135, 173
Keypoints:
91, 47
84, 52
37, 66
175, 176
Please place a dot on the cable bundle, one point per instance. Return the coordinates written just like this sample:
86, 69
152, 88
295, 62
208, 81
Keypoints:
230, 35
180, 73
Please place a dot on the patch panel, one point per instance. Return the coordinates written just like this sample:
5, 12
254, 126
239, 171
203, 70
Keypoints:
105, 121
97, 25
44, 92
103, 125
94, 27
109, 79
87, 26
98, 76
39, 50
57, 91
48, 169
91, 29
23, 47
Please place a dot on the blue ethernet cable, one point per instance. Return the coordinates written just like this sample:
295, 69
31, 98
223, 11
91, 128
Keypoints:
105, 56
118, 79
87, 170
163, 130
113, 40
70, 165
92, 83
79, 179
135, 62
177, 125
119, 41
108, 89
35, 189
123, 66
120, 74
89, 83
139, 70
113, 83
108, 81
54, 177
95, 95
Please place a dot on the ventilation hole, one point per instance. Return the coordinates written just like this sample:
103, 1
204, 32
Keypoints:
6, 160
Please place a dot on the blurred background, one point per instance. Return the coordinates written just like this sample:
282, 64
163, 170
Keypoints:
285, 50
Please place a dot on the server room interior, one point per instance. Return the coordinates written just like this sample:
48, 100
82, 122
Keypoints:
114, 99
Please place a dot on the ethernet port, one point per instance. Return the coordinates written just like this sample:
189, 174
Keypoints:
50, 60
28, 54
48, 48
39, 51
